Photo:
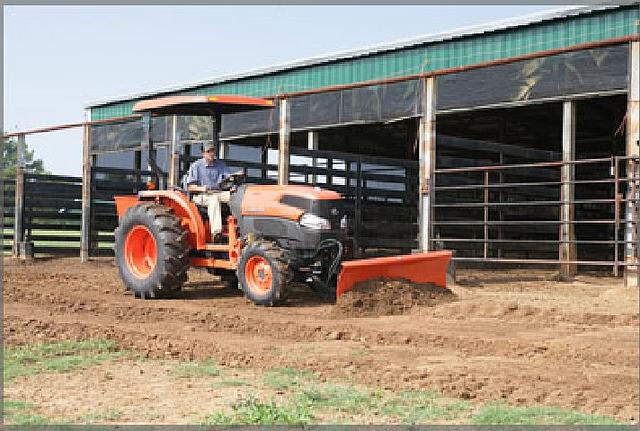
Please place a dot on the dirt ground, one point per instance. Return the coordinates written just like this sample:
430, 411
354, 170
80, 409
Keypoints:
513, 335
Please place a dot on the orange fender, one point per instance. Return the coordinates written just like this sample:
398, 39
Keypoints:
182, 208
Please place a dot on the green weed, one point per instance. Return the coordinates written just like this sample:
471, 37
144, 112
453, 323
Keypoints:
18, 413
504, 414
253, 412
341, 398
231, 383
56, 357
287, 378
105, 416
206, 368
408, 407
414, 407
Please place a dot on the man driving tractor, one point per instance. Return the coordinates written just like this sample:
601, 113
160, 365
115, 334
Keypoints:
277, 233
204, 179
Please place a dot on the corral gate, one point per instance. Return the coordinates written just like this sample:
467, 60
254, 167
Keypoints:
487, 214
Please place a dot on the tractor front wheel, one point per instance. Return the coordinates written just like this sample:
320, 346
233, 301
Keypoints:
264, 273
152, 251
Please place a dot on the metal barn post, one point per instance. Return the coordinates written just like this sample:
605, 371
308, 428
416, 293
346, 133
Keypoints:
427, 157
174, 155
224, 150
85, 238
567, 250
18, 209
284, 142
312, 145
633, 150
223, 146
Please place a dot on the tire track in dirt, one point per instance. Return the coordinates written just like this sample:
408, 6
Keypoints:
484, 347
289, 330
469, 382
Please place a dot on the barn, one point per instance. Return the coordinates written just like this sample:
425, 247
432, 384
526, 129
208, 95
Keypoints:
512, 143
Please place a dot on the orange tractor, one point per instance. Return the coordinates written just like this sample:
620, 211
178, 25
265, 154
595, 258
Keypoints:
273, 236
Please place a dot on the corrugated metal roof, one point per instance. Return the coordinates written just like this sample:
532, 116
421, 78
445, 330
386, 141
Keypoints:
374, 49
501, 39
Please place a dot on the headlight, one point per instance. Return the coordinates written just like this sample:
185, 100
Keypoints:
314, 222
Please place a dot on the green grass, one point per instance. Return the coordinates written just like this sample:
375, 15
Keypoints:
59, 357
103, 416
253, 412
231, 383
287, 378
19, 413
413, 407
503, 414
407, 407
303, 405
207, 368
340, 398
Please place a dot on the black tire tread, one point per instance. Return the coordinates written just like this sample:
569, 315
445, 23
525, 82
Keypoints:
281, 266
170, 237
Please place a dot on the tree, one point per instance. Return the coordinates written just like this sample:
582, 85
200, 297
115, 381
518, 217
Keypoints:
10, 159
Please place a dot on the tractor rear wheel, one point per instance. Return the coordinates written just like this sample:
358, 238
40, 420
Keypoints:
152, 251
264, 273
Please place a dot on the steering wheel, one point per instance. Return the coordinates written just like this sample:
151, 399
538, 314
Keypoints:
230, 183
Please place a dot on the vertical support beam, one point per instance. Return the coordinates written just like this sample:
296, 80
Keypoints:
284, 142
174, 155
264, 160
223, 153
312, 145
485, 248
221, 146
85, 238
137, 165
18, 209
567, 193
502, 137
215, 133
427, 158
633, 150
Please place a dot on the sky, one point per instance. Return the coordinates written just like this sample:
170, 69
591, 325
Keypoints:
59, 59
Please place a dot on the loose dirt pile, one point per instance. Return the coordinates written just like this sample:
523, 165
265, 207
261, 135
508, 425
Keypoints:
386, 297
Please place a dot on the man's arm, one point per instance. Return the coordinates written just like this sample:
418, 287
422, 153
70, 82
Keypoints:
192, 181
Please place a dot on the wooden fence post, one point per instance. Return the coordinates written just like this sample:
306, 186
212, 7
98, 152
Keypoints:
18, 209
85, 239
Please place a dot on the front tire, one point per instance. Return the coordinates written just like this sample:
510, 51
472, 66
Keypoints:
264, 273
152, 251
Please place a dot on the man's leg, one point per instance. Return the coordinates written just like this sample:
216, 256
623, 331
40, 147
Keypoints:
211, 201
215, 215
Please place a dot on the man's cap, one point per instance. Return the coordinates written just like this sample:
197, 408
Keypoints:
208, 146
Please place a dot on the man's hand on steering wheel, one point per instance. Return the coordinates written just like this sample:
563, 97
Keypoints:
230, 183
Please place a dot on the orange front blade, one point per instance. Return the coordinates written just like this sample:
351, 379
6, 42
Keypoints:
428, 267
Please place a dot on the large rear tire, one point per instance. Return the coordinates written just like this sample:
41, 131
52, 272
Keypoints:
264, 273
152, 251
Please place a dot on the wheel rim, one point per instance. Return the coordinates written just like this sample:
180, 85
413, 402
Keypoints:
140, 251
258, 274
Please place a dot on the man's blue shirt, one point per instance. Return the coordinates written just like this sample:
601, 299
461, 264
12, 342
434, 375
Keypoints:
202, 174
